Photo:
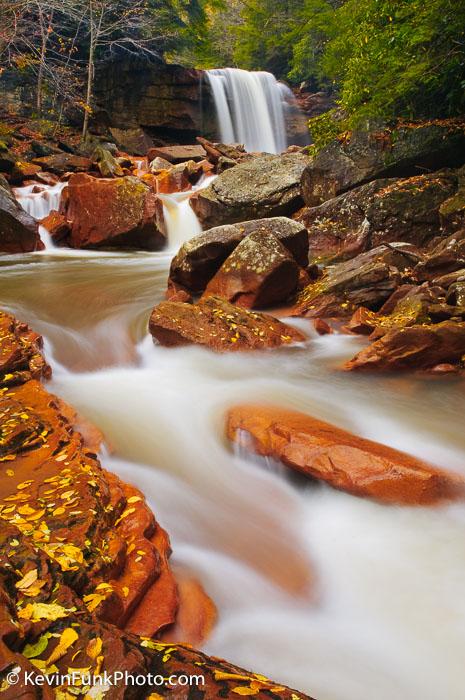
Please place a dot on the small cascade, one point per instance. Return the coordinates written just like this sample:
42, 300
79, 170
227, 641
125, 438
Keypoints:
251, 108
181, 220
38, 201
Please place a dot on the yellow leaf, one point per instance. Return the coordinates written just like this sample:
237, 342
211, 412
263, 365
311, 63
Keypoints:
27, 580
43, 611
67, 639
245, 690
94, 647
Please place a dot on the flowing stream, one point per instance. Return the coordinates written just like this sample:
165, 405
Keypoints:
329, 593
250, 107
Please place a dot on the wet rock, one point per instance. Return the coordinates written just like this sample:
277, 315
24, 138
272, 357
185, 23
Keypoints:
197, 613
367, 280
23, 171
417, 347
107, 164
122, 212
19, 232
446, 257
62, 163
7, 159
21, 356
217, 324
258, 188
321, 327
157, 165
404, 151
178, 178
258, 274
379, 212
200, 258
343, 460
177, 154
57, 225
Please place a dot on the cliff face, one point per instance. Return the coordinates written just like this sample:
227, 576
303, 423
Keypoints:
169, 102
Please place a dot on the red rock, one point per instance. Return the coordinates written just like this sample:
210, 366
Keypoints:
62, 163
197, 613
345, 461
21, 356
362, 322
321, 327
176, 292
258, 274
57, 225
219, 325
417, 347
121, 212
23, 171
177, 154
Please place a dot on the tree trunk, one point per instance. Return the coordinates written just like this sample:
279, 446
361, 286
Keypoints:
90, 72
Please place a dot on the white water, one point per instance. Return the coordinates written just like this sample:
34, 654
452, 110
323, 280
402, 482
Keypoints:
180, 219
338, 596
39, 204
250, 108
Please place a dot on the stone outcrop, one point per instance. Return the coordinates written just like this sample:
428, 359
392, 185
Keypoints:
403, 151
367, 280
19, 232
258, 188
61, 163
166, 100
218, 325
83, 563
415, 347
378, 212
200, 258
343, 460
258, 274
122, 212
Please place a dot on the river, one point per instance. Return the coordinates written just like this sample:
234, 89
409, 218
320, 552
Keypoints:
326, 592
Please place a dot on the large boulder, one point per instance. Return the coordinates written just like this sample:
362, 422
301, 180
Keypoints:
343, 460
217, 324
177, 154
378, 212
417, 347
259, 273
367, 280
200, 258
121, 212
19, 232
258, 188
367, 155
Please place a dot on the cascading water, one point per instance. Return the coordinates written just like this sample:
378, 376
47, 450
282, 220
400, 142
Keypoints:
38, 201
181, 220
250, 108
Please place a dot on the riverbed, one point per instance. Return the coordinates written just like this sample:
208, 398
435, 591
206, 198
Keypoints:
326, 592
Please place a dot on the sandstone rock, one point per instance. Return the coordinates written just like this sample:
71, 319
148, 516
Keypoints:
417, 347
259, 273
107, 164
404, 151
378, 212
23, 171
258, 188
157, 165
345, 461
447, 256
321, 327
200, 258
367, 280
19, 232
21, 356
121, 212
57, 225
133, 141
62, 163
177, 154
218, 325
197, 613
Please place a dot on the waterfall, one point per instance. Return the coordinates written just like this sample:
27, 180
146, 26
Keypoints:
250, 108
38, 201
181, 220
